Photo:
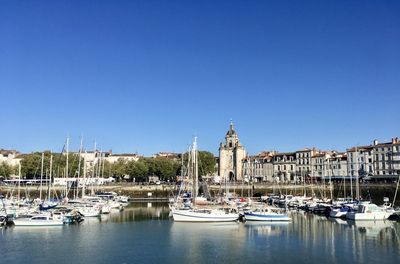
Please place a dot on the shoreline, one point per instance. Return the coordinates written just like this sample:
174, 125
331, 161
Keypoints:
376, 191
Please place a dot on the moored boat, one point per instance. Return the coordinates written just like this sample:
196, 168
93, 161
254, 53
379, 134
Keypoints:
38, 220
205, 215
266, 214
368, 212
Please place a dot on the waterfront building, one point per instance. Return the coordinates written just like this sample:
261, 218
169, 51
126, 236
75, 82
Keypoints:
337, 165
231, 156
318, 161
112, 158
386, 159
259, 168
9, 157
360, 161
285, 167
303, 163
170, 155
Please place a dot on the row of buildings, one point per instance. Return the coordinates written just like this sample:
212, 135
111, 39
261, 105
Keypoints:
13, 157
378, 161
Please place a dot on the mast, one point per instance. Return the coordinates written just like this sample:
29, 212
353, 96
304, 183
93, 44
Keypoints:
397, 188
50, 174
357, 177
94, 174
195, 170
84, 177
41, 178
19, 181
79, 168
66, 169
351, 177
330, 179
344, 180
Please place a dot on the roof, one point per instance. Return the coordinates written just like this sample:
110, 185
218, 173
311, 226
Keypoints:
125, 155
7, 152
231, 130
353, 149
285, 154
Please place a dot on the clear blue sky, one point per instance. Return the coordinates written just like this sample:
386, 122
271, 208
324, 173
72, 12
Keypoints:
148, 75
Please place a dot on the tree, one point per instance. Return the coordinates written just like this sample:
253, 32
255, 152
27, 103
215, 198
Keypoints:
7, 170
206, 162
31, 164
118, 169
136, 169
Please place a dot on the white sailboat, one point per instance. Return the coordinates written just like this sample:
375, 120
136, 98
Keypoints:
201, 214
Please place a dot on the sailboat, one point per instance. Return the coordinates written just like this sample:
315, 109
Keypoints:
195, 214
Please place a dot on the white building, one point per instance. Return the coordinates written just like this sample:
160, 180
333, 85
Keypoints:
9, 157
259, 168
285, 167
386, 159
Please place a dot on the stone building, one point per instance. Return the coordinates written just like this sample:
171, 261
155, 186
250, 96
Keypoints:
360, 161
303, 163
386, 159
231, 155
9, 157
337, 165
285, 166
259, 168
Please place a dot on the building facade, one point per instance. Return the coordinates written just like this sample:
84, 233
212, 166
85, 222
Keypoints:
9, 157
259, 168
285, 167
386, 159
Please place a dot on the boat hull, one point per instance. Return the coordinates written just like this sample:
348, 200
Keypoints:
190, 216
22, 222
266, 217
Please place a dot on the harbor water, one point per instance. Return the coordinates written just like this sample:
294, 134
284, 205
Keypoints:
144, 233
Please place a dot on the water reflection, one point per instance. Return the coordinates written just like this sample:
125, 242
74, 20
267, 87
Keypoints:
133, 212
266, 228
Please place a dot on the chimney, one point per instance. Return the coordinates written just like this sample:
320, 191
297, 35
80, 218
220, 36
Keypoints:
375, 142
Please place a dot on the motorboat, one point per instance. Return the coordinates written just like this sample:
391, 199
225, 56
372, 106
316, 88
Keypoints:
38, 220
266, 214
368, 211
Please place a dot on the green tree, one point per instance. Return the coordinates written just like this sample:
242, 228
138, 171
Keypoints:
137, 169
119, 168
31, 164
206, 162
7, 170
